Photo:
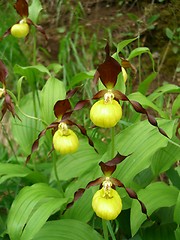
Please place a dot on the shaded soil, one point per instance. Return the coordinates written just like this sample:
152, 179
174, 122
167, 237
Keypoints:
117, 21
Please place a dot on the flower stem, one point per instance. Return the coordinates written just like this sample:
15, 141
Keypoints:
111, 230
112, 142
55, 169
105, 230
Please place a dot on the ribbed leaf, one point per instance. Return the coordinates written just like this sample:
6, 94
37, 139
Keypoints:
8, 170
124, 43
155, 196
26, 130
140, 50
52, 91
82, 209
177, 211
67, 229
73, 165
143, 86
164, 158
164, 232
141, 140
32, 73
176, 105
34, 10
31, 209
145, 102
167, 88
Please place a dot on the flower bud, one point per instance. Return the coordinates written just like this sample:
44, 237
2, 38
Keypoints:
124, 73
1, 92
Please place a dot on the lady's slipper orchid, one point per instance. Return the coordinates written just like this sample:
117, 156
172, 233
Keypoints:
106, 202
108, 73
7, 103
22, 27
64, 139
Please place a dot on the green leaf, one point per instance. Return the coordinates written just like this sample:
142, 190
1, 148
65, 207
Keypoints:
176, 105
124, 43
27, 130
8, 170
154, 196
169, 33
81, 161
52, 91
140, 50
31, 209
164, 158
55, 67
81, 77
34, 10
145, 102
67, 229
141, 140
177, 211
167, 88
31, 73
177, 233
143, 86
82, 209
165, 232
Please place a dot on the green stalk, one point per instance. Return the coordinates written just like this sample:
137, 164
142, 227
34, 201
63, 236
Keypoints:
139, 57
111, 230
55, 169
112, 142
105, 230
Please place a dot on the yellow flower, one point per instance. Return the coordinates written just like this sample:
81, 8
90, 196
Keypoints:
106, 112
65, 140
106, 202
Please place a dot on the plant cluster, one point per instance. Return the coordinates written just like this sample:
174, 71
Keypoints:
52, 187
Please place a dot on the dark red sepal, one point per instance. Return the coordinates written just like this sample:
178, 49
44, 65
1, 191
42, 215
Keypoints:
109, 70
21, 7
3, 73
41, 134
100, 94
77, 195
106, 169
61, 107
83, 131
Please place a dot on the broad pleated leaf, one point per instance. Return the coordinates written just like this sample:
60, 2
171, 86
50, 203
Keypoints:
167, 88
145, 102
74, 165
52, 91
67, 229
140, 50
34, 10
141, 140
26, 130
8, 170
31, 209
144, 85
82, 209
158, 232
164, 158
31, 73
177, 211
155, 196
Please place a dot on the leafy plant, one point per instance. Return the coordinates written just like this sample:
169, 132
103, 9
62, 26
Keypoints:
63, 130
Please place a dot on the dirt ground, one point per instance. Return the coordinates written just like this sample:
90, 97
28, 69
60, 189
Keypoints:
123, 20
